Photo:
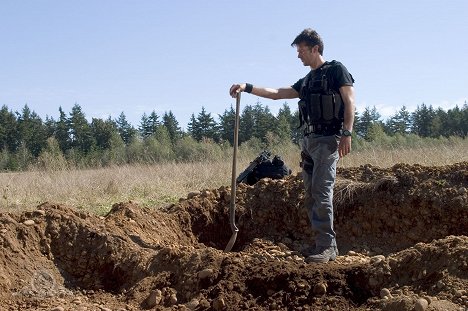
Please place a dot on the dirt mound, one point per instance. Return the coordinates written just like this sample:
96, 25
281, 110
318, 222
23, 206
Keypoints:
402, 235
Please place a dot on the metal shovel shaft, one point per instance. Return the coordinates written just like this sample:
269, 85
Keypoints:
232, 208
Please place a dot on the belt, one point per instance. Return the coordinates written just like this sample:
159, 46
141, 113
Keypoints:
322, 129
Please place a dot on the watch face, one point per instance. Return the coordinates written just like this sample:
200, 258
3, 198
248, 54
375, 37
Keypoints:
346, 133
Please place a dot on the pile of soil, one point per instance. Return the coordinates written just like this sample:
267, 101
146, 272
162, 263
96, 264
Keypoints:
401, 232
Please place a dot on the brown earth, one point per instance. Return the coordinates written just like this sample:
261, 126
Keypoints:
402, 234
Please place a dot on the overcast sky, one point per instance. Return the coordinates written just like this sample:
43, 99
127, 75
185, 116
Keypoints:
138, 56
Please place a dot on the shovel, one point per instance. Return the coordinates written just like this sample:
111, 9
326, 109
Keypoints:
232, 208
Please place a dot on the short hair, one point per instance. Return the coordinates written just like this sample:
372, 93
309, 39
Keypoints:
311, 38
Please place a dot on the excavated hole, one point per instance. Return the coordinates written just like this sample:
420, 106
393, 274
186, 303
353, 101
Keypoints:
89, 260
215, 231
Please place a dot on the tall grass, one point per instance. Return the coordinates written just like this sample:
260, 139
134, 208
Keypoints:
159, 184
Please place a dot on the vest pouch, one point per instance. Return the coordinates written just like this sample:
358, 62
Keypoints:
328, 107
303, 113
314, 108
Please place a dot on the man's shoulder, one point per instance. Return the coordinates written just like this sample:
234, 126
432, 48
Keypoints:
338, 72
337, 68
335, 64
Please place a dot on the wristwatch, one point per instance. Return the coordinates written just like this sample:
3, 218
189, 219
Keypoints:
346, 133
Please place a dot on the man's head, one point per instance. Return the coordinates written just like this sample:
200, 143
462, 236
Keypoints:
310, 38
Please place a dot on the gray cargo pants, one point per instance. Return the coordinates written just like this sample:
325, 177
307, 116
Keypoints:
319, 173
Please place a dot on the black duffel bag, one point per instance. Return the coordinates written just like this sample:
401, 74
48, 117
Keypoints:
274, 169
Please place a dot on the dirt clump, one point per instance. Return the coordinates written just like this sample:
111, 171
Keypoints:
402, 236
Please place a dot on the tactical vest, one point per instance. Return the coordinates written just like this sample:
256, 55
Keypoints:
320, 105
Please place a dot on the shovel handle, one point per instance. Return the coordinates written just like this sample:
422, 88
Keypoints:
232, 208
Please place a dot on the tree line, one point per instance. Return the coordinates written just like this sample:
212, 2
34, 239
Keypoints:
72, 141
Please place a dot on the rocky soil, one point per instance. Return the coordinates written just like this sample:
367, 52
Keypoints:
402, 234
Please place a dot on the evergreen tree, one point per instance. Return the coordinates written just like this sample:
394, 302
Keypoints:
297, 132
9, 138
368, 118
126, 131
103, 132
172, 126
227, 124
400, 123
31, 131
62, 132
208, 126
285, 121
194, 129
148, 124
247, 124
265, 121
438, 121
153, 122
80, 130
144, 128
50, 127
453, 122
357, 121
421, 120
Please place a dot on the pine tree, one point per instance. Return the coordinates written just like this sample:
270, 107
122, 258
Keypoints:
50, 126
227, 124
297, 132
436, 127
153, 122
368, 118
247, 124
265, 121
9, 135
285, 123
421, 120
172, 126
103, 132
126, 131
144, 128
452, 122
400, 123
62, 132
208, 126
148, 124
80, 130
193, 128
32, 131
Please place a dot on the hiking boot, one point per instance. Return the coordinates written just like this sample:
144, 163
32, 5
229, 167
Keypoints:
312, 250
322, 254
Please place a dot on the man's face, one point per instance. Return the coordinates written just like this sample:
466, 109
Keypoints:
306, 53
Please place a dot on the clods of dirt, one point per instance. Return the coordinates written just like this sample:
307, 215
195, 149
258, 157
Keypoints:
401, 232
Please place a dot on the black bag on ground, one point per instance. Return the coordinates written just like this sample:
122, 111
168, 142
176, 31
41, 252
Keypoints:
274, 169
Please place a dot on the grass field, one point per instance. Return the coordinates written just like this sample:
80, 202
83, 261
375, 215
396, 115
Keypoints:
155, 185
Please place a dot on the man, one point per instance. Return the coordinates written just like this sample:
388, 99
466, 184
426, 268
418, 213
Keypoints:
326, 109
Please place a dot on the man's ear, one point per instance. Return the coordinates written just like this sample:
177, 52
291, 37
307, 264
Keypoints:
315, 48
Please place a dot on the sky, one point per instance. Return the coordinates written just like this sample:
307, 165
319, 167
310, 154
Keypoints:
113, 56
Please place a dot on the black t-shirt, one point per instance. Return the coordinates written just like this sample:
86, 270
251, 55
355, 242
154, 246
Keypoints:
337, 75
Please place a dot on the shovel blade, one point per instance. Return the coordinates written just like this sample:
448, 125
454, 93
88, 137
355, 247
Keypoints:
231, 242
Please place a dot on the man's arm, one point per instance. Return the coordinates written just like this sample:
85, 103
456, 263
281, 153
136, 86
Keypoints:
281, 93
347, 94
